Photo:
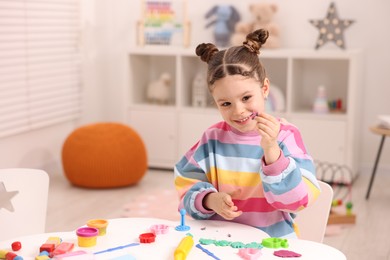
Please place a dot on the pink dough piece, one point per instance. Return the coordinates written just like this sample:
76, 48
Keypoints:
286, 253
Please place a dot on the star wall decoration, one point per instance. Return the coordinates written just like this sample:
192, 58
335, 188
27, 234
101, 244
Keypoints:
5, 198
331, 28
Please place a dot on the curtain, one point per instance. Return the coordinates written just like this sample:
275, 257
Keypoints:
40, 70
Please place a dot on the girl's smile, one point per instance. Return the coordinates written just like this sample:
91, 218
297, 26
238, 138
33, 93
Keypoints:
244, 120
238, 99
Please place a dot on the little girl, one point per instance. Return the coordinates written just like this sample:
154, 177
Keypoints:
251, 168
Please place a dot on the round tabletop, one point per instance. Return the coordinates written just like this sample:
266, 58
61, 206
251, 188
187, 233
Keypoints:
126, 231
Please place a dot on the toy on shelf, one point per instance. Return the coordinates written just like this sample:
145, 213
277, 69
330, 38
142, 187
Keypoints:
321, 103
263, 14
335, 105
226, 17
158, 92
163, 22
199, 90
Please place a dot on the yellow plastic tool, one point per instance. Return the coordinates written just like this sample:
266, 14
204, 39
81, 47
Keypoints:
184, 248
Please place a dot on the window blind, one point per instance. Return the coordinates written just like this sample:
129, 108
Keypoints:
40, 70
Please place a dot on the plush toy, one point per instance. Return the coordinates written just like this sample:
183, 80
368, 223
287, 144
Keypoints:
159, 91
225, 21
263, 14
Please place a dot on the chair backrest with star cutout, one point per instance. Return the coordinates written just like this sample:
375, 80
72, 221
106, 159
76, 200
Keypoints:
23, 202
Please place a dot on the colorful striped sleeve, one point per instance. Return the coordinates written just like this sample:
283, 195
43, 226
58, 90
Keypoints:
192, 184
290, 183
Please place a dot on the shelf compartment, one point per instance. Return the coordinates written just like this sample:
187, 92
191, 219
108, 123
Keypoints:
309, 74
193, 69
146, 69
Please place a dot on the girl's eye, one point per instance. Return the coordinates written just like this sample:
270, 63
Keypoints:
246, 98
225, 104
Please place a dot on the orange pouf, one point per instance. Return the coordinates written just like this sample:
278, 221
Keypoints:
104, 155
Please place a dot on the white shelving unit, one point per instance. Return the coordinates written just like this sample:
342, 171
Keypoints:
170, 130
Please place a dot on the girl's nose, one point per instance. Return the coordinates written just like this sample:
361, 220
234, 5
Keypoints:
239, 109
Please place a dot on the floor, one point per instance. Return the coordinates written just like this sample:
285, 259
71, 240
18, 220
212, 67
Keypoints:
367, 239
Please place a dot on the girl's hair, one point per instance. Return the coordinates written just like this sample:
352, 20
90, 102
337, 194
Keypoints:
237, 60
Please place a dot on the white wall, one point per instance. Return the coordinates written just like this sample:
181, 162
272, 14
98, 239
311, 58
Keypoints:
36, 149
369, 32
41, 148
109, 29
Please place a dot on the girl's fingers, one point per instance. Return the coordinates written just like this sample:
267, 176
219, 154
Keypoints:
231, 214
265, 128
264, 134
267, 132
228, 201
268, 121
268, 124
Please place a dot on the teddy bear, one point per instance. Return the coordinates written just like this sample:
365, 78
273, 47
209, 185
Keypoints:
263, 14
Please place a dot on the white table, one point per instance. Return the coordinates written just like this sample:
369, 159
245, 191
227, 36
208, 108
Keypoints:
124, 231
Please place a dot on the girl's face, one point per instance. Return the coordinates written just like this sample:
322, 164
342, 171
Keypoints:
237, 98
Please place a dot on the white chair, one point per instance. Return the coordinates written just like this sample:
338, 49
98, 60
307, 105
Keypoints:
312, 220
23, 202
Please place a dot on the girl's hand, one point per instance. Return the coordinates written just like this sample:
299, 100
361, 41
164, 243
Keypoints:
268, 127
222, 204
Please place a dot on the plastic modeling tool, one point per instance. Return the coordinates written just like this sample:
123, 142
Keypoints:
207, 251
253, 115
117, 248
182, 226
159, 229
184, 248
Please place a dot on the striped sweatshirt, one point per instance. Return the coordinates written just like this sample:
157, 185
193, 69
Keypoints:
226, 160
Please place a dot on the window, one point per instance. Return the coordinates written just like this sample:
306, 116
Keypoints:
40, 70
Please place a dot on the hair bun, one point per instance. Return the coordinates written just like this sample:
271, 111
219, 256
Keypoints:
255, 40
205, 51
